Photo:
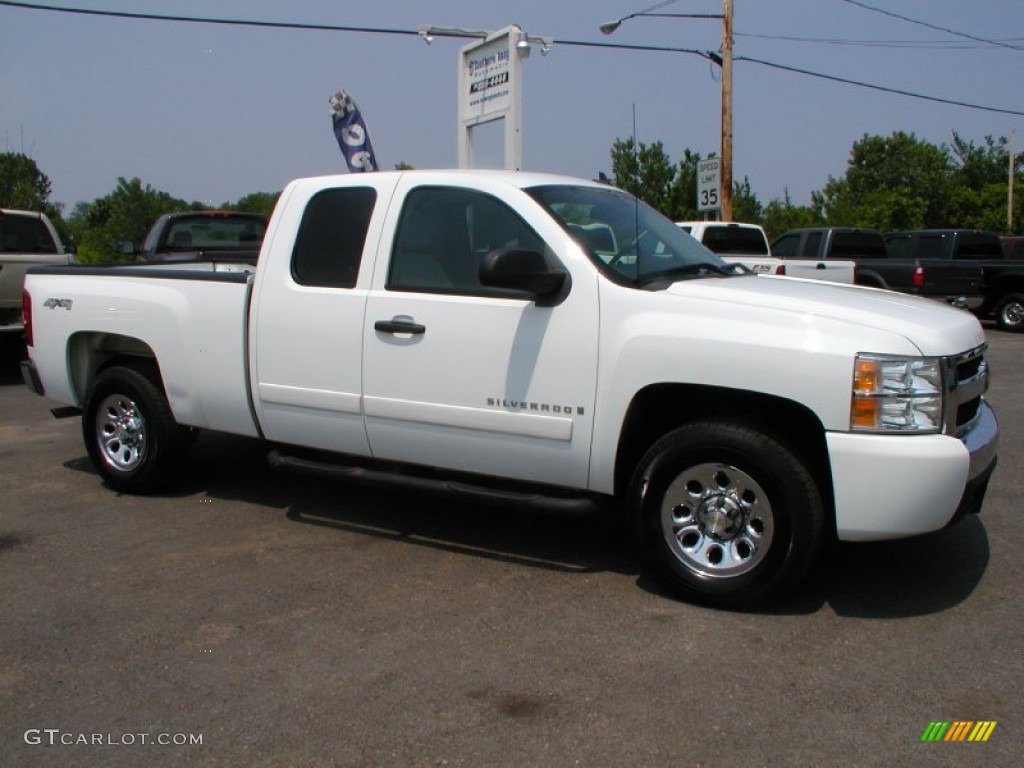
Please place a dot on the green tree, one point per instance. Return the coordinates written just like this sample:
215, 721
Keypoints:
255, 202
683, 197
126, 214
22, 184
896, 181
745, 205
781, 215
646, 172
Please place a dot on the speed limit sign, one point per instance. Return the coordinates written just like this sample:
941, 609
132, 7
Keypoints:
708, 185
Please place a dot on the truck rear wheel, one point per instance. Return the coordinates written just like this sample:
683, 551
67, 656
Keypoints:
1010, 312
726, 514
130, 433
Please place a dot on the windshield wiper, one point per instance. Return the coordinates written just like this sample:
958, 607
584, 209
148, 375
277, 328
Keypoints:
663, 279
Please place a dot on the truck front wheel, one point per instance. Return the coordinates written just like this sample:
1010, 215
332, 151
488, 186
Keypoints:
1010, 312
130, 433
726, 514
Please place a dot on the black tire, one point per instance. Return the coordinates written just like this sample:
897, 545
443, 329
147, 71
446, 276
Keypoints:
130, 433
726, 515
1009, 312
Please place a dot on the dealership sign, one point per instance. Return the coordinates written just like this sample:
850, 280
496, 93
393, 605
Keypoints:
490, 77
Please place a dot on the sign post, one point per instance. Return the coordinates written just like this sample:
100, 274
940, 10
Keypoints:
490, 88
709, 185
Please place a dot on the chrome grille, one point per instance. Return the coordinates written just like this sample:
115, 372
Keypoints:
966, 381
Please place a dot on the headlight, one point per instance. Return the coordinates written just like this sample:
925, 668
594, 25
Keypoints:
896, 394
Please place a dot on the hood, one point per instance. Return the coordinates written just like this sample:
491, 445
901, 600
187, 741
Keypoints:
933, 327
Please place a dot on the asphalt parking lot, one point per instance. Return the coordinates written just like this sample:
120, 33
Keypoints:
286, 621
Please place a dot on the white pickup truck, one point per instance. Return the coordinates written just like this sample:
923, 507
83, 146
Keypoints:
747, 244
521, 337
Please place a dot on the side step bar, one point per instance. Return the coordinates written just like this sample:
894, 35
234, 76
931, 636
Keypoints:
450, 487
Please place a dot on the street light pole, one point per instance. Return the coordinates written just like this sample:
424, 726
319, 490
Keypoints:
726, 213
725, 61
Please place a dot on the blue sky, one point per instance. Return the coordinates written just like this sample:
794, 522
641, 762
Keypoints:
210, 112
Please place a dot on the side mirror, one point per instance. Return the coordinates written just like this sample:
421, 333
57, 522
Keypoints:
525, 271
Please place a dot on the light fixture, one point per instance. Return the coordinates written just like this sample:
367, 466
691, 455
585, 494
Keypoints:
610, 26
424, 32
523, 46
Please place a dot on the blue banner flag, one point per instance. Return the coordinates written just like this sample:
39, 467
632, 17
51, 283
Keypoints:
350, 130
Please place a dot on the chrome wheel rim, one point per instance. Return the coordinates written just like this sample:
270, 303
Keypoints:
1013, 313
716, 520
121, 433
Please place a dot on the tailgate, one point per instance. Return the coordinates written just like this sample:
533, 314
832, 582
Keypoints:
951, 278
833, 270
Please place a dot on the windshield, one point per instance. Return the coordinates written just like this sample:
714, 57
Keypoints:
628, 240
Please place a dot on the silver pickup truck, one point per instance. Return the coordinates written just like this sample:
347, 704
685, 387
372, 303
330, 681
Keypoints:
27, 239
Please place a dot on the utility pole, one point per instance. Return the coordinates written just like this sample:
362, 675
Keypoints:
1009, 192
726, 213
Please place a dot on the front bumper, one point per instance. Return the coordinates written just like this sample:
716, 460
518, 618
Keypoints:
893, 486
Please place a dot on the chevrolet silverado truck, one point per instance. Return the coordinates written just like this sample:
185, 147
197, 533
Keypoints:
879, 267
747, 244
973, 249
26, 238
456, 332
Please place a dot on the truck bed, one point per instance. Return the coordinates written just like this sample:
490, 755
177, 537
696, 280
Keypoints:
190, 317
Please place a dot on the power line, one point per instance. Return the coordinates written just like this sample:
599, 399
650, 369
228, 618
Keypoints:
575, 43
202, 20
886, 89
328, 27
859, 4
926, 44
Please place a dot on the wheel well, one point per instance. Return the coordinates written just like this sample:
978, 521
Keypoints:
869, 279
994, 293
660, 408
90, 353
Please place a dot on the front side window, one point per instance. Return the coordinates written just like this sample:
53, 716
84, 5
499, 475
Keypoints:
787, 245
329, 246
443, 235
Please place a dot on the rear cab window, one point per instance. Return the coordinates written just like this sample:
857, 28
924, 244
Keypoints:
735, 240
24, 234
329, 245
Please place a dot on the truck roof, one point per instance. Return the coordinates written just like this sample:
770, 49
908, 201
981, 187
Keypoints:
520, 179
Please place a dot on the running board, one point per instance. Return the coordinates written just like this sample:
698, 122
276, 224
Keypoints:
450, 487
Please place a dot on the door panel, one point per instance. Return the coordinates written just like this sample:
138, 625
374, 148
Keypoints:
308, 344
492, 384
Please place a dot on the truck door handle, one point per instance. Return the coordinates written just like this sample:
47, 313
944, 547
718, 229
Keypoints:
399, 326
821, 265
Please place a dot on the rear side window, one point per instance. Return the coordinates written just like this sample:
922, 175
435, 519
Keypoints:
978, 246
858, 244
931, 247
329, 245
24, 234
